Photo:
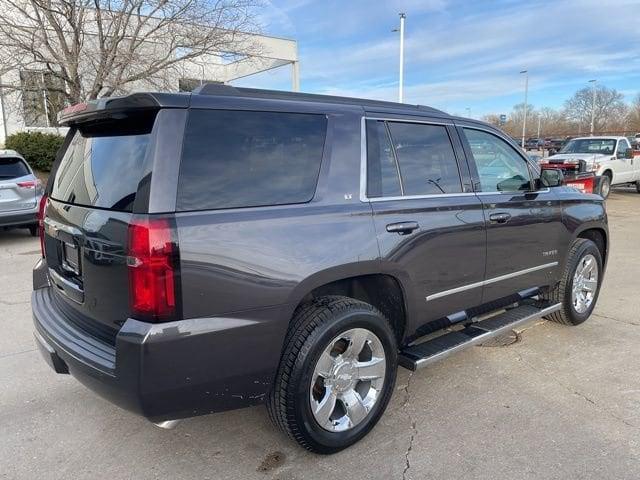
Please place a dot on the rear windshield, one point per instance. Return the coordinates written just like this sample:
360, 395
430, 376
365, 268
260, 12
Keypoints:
12, 168
103, 165
247, 159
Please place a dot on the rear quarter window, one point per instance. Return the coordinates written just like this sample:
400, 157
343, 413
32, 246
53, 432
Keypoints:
12, 167
247, 159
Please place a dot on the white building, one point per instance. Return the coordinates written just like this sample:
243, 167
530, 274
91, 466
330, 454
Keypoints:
26, 102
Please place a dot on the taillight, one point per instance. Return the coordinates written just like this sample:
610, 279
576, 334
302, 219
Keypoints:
28, 184
41, 211
153, 269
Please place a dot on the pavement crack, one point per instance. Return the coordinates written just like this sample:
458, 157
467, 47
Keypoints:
414, 430
573, 391
13, 354
616, 320
4, 302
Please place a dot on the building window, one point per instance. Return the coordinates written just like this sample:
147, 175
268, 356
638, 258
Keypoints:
42, 98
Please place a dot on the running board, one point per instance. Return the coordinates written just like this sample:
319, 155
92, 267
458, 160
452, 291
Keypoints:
422, 354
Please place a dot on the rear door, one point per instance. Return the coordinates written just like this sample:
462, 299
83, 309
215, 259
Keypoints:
523, 225
17, 185
429, 224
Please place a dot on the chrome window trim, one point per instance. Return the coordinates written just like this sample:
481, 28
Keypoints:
514, 192
418, 197
489, 281
363, 162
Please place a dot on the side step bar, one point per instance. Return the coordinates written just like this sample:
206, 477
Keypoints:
422, 354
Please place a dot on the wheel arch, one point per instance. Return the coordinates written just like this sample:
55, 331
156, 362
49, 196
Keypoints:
599, 236
366, 283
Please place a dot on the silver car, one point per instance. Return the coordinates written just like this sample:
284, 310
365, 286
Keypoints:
20, 193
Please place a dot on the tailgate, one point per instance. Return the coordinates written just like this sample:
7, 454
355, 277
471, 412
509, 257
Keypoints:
92, 197
85, 252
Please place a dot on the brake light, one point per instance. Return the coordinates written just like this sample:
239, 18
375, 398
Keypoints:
153, 264
28, 184
41, 212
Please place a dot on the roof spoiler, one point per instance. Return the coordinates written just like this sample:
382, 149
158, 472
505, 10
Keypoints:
119, 107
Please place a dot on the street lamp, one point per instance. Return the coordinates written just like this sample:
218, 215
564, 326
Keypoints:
401, 74
593, 104
526, 94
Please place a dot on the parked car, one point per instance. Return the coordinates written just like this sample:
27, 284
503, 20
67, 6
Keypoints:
609, 157
555, 144
20, 192
534, 144
231, 247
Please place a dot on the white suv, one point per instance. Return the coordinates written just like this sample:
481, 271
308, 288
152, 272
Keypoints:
20, 192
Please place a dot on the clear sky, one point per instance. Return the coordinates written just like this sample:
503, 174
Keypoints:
458, 54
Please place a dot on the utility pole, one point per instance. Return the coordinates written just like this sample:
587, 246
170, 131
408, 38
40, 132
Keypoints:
539, 118
593, 105
4, 112
526, 94
401, 75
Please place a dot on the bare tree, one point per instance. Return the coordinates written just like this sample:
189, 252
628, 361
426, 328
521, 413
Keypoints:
609, 107
634, 115
95, 48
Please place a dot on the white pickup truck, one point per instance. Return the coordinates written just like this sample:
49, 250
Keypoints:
610, 157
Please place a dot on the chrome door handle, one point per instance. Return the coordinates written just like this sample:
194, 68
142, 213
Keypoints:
402, 228
499, 217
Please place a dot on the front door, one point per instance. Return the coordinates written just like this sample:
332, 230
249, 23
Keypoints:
624, 169
523, 225
429, 224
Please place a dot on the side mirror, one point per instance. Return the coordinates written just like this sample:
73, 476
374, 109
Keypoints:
629, 153
551, 177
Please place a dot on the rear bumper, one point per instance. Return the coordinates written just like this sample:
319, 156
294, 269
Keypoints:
164, 371
20, 217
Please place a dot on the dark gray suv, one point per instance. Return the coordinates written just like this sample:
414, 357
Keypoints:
230, 247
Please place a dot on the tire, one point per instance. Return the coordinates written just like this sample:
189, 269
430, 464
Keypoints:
315, 327
638, 186
33, 230
605, 185
570, 314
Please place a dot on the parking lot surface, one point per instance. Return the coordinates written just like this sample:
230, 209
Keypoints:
559, 403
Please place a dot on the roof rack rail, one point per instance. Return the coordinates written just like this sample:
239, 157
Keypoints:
229, 90
214, 88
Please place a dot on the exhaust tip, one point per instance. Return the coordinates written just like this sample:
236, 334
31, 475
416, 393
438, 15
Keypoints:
167, 424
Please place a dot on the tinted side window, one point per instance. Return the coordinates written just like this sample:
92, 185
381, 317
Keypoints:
426, 159
500, 167
383, 178
246, 159
12, 168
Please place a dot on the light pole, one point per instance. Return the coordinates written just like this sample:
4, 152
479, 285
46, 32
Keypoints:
526, 94
539, 119
593, 104
401, 74
468, 112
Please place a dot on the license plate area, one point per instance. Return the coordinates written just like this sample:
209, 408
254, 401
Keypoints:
71, 258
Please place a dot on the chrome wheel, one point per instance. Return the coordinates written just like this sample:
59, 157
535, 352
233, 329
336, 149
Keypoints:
585, 283
347, 380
